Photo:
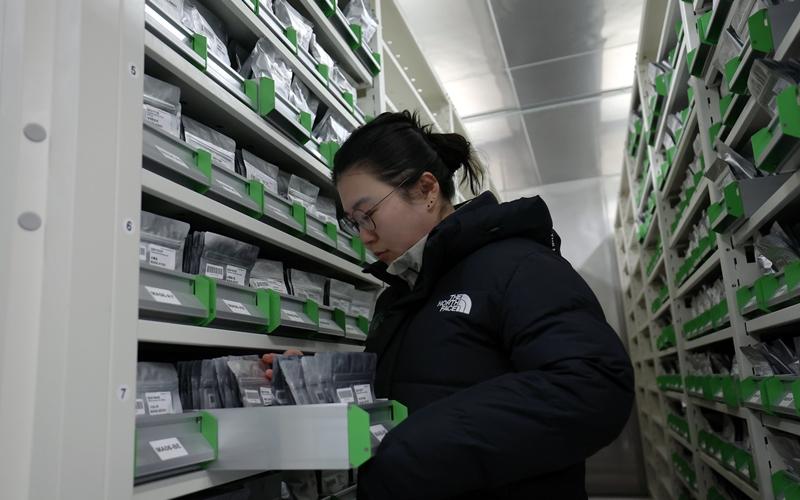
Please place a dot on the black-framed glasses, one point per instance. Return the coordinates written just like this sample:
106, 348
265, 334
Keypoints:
361, 219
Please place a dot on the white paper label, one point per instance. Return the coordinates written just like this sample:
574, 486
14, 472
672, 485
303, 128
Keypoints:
788, 401
159, 403
755, 398
236, 307
266, 395
172, 156
379, 431
161, 256
169, 448
214, 271
140, 407
162, 295
345, 395
269, 283
252, 396
219, 157
228, 188
744, 470
270, 184
142, 252
162, 120
782, 290
719, 455
363, 393
732, 463
235, 274
718, 394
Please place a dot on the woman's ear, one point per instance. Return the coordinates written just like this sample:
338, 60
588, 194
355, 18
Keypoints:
428, 185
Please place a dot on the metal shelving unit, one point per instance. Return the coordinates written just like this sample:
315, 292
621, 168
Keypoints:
727, 259
71, 96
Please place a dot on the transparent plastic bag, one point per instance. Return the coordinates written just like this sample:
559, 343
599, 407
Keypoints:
266, 4
209, 386
228, 390
292, 369
172, 8
341, 82
357, 12
340, 294
227, 259
333, 481
321, 56
254, 388
318, 376
157, 389
266, 62
260, 170
363, 303
729, 46
768, 78
331, 129
307, 285
221, 147
789, 450
740, 13
325, 210
280, 386
290, 17
761, 366
302, 192
268, 274
199, 19
354, 377
162, 105
776, 249
303, 100
162, 240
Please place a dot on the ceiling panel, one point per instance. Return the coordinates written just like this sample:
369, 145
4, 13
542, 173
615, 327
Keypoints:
502, 146
579, 140
539, 30
558, 80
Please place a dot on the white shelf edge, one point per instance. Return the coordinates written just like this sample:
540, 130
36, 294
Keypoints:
778, 318
732, 478
667, 352
681, 440
790, 425
159, 332
690, 129
166, 190
689, 214
716, 406
188, 483
777, 202
711, 338
420, 102
185, 71
700, 274
342, 51
672, 93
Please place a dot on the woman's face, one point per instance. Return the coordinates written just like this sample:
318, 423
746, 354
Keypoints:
399, 222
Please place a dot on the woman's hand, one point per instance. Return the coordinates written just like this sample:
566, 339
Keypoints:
269, 358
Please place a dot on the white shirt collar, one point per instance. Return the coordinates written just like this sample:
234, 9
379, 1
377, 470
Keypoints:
407, 266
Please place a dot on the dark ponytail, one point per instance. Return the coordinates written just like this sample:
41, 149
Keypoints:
395, 147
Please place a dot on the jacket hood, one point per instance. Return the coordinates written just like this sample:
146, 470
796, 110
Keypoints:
474, 225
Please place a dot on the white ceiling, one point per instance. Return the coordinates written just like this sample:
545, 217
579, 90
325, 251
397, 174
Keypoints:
542, 86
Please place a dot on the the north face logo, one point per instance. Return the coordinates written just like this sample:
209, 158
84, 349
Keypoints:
459, 302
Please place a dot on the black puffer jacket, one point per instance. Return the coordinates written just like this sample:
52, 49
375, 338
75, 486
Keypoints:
501, 352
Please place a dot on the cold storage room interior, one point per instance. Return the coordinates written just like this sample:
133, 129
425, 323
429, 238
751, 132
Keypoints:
400, 249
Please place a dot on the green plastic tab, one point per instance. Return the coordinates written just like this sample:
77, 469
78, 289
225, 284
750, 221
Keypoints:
325, 71
205, 289
765, 288
340, 318
363, 324
773, 391
266, 96
789, 111
291, 34
299, 214
350, 100
376, 69
202, 160
791, 275
358, 436
703, 23
209, 428
255, 190
358, 246
358, 34
311, 309
263, 304
761, 32
250, 88
332, 230
306, 121
713, 131
690, 57
399, 412
328, 7
274, 316
759, 141
730, 71
200, 47
328, 151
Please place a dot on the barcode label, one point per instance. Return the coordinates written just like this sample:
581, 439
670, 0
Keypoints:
228, 188
345, 395
162, 295
171, 156
252, 396
140, 407
214, 271
236, 307
159, 403
363, 393
235, 274
168, 449
161, 256
142, 252
379, 431
266, 395
162, 120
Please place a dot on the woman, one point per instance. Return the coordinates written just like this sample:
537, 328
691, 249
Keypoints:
511, 375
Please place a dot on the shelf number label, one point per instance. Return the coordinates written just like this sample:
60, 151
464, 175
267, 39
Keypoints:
159, 403
237, 307
266, 395
163, 295
227, 187
171, 156
168, 449
378, 431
